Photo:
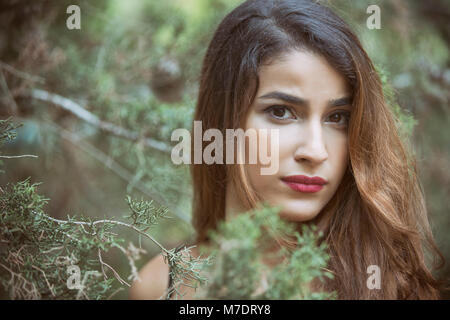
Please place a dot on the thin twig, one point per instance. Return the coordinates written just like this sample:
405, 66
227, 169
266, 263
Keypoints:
22, 156
117, 275
46, 280
112, 294
101, 264
34, 292
112, 222
134, 271
53, 249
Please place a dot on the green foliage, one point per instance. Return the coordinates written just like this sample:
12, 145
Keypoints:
144, 213
7, 133
241, 248
186, 269
306, 263
404, 119
37, 250
7, 130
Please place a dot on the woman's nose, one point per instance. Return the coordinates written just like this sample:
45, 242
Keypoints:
311, 147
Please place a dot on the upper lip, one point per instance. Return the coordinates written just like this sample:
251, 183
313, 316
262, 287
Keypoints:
305, 179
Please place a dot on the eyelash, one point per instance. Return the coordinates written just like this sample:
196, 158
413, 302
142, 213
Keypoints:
345, 114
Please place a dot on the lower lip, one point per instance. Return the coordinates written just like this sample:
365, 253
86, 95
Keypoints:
306, 188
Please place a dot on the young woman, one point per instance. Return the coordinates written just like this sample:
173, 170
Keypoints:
297, 67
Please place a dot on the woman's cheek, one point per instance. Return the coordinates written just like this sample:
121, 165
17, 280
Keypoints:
287, 143
337, 145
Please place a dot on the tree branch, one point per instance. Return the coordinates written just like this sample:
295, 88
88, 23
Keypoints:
120, 223
92, 119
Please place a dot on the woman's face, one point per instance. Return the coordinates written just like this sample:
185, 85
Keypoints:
309, 102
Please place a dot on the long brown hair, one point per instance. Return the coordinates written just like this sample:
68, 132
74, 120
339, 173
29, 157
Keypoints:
378, 215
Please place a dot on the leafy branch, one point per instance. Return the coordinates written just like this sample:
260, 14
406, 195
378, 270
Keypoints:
92, 119
35, 248
251, 263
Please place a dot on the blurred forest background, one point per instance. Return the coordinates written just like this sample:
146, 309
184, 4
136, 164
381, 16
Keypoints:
134, 67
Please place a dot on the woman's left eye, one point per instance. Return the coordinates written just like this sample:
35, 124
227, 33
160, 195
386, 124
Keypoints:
280, 112
340, 118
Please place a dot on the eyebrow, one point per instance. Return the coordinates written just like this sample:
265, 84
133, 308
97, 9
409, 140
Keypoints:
302, 102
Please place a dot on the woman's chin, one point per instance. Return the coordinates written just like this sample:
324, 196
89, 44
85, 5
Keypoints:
298, 214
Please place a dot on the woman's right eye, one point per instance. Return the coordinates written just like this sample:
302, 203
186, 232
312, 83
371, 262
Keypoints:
280, 112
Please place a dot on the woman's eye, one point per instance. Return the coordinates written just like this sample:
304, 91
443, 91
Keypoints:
280, 112
340, 118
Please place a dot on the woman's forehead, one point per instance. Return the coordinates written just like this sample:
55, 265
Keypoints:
303, 73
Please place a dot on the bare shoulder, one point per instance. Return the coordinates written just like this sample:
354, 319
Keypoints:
154, 278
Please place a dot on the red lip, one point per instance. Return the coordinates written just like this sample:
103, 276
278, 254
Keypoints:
305, 180
304, 184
